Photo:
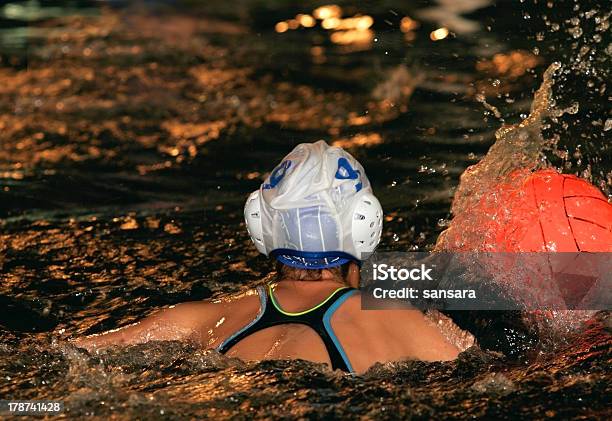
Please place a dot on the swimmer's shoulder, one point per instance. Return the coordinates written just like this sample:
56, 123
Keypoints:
407, 331
352, 305
351, 310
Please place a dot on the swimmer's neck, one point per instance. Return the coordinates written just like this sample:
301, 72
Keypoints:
310, 284
327, 279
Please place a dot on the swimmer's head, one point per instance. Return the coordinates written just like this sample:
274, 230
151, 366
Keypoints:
316, 210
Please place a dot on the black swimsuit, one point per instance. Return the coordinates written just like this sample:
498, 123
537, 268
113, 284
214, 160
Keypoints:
317, 318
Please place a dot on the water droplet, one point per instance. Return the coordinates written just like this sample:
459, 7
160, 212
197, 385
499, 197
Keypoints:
443, 222
584, 50
395, 237
573, 109
575, 32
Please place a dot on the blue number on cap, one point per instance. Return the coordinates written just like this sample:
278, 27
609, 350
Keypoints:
277, 175
346, 172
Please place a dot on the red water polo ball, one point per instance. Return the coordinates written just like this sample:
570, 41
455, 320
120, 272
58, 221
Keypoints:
536, 212
559, 212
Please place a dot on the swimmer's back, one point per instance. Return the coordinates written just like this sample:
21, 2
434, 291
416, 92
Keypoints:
367, 337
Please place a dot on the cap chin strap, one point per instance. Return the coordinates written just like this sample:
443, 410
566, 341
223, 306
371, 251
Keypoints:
340, 258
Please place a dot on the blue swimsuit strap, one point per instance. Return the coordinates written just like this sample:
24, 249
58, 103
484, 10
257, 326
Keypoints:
327, 323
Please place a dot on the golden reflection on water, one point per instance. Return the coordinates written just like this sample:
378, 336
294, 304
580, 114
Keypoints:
512, 65
15, 175
359, 140
327, 11
408, 24
439, 34
506, 70
345, 31
281, 27
102, 96
306, 21
352, 37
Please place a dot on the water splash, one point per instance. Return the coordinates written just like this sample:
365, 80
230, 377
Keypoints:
519, 150
493, 109
576, 37
517, 147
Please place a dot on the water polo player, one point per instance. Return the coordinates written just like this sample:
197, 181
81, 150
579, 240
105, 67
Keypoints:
317, 216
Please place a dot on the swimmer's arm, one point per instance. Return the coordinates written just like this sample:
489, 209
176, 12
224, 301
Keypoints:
186, 321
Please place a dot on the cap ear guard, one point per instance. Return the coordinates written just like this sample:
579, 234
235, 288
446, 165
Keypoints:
252, 216
366, 224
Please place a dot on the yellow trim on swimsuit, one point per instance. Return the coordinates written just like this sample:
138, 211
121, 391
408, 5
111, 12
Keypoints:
278, 307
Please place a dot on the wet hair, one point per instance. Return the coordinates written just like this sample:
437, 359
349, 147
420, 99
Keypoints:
287, 272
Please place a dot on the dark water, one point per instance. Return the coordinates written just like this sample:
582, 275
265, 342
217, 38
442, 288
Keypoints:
131, 135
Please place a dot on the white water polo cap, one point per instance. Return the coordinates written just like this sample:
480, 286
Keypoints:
316, 209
